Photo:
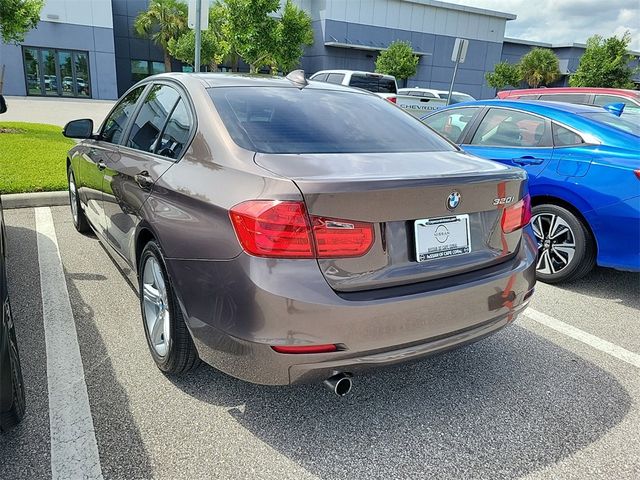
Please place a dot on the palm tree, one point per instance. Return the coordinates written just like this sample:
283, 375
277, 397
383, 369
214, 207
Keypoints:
162, 21
539, 67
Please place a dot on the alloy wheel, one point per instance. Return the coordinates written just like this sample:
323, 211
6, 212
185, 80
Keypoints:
156, 306
556, 243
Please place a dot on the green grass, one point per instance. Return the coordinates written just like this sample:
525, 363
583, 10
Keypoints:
32, 157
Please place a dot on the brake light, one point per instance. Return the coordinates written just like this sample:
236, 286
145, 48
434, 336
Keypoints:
517, 215
305, 348
282, 229
392, 99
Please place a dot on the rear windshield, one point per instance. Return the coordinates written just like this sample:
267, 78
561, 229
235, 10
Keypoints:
629, 123
289, 120
373, 83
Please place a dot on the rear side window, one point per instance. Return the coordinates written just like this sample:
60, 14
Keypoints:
176, 132
336, 78
511, 128
580, 98
563, 137
153, 114
451, 123
527, 97
115, 124
311, 120
373, 83
322, 77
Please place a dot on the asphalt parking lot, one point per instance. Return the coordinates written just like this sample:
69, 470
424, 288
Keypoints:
556, 395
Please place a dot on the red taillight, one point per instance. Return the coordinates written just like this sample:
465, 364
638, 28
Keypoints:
637, 172
517, 215
392, 99
282, 229
305, 348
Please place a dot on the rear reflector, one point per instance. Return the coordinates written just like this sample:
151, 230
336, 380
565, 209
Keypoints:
305, 348
517, 215
282, 229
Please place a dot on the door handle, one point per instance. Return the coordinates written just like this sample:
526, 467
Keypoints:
528, 160
143, 180
101, 165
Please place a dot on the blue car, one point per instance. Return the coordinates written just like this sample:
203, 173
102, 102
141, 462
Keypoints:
584, 176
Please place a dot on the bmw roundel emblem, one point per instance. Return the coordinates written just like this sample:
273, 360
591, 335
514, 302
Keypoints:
453, 200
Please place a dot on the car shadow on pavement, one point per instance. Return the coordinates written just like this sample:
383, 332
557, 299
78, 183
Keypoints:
509, 405
614, 285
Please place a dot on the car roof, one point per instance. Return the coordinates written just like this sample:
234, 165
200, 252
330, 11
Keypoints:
536, 106
213, 80
345, 72
556, 90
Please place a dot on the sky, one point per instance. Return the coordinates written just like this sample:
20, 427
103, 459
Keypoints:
567, 21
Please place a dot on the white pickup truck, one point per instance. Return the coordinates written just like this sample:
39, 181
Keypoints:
382, 85
419, 101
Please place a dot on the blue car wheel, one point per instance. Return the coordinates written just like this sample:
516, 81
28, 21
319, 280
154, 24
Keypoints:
566, 250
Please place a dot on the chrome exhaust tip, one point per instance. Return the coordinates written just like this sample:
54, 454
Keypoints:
340, 383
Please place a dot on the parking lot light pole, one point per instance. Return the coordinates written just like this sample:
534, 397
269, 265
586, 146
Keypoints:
196, 67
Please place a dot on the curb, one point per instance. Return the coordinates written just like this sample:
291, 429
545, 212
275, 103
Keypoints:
38, 199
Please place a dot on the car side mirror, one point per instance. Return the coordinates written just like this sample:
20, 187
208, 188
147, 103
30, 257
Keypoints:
615, 108
3, 104
79, 129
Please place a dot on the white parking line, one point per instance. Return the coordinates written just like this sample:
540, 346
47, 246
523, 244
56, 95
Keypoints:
584, 337
74, 450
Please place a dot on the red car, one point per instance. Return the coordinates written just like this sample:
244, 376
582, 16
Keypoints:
582, 95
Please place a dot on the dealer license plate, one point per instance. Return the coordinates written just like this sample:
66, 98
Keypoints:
442, 237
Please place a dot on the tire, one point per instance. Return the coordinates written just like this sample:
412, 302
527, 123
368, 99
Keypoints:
12, 415
77, 214
172, 348
566, 248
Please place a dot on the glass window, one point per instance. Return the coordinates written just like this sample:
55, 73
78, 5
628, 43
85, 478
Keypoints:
581, 98
563, 137
156, 67
336, 78
628, 123
83, 84
116, 122
176, 132
66, 72
373, 83
527, 97
289, 120
322, 77
56, 72
151, 118
49, 71
32, 68
451, 123
457, 97
510, 128
139, 69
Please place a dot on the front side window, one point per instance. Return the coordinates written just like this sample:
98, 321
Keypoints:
151, 118
314, 120
451, 123
563, 137
511, 128
116, 122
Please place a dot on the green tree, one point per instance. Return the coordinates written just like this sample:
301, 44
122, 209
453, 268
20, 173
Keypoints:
17, 17
539, 67
503, 75
162, 21
605, 63
398, 60
293, 33
250, 30
214, 46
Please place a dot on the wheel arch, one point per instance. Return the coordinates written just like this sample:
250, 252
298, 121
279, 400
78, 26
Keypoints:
143, 236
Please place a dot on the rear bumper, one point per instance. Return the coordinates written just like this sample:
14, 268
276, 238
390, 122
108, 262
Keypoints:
236, 310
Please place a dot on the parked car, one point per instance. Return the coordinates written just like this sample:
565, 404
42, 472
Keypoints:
286, 231
419, 101
581, 95
584, 176
12, 402
382, 85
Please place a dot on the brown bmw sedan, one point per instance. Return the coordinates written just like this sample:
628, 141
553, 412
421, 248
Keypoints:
287, 231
